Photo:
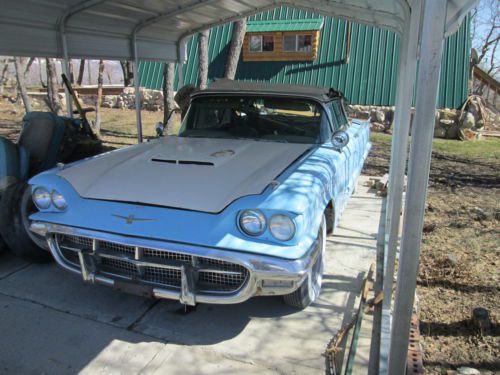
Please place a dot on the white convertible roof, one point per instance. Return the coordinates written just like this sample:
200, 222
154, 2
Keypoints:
106, 28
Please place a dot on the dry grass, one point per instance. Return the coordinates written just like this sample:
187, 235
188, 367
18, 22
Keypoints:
118, 127
459, 263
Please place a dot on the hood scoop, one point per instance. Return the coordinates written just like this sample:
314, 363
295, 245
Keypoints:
184, 162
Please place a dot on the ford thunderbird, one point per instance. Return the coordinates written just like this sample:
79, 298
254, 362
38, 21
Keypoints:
237, 205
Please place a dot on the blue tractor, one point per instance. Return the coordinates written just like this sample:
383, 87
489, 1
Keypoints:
45, 140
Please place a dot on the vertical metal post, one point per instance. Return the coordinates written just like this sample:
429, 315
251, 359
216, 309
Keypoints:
65, 67
399, 147
432, 36
404, 95
137, 90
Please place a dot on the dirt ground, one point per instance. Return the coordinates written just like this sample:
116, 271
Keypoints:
460, 260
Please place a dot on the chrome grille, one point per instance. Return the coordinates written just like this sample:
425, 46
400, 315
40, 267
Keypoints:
77, 242
152, 266
121, 267
166, 276
115, 247
151, 253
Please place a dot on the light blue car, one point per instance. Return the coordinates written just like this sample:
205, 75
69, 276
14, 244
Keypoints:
237, 205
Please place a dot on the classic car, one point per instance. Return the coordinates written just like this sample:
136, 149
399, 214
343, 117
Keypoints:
237, 205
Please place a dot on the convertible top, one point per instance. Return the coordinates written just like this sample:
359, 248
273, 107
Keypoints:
227, 86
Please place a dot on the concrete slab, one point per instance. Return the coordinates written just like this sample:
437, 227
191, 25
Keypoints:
9, 264
41, 340
262, 335
51, 286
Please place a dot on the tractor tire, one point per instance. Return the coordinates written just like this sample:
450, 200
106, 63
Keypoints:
310, 288
15, 207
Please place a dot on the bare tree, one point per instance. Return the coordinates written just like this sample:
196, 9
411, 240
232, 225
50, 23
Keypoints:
485, 33
128, 73
168, 94
71, 71
81, 70
28, 67
3, 75
21, 85
53, 101
233, 56
97, 124
203, 59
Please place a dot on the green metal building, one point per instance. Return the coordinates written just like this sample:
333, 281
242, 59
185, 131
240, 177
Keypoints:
368, 77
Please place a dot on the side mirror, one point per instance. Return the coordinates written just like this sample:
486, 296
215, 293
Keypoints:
340, 139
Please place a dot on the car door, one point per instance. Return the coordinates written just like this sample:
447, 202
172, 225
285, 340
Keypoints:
351, 151
343, 158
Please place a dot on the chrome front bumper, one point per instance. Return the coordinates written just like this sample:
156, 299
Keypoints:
266, 275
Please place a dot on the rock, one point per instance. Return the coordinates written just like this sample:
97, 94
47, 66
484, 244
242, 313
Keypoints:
440, 131
451, 260
480, 214
428, 228
468, 121
481, 319
377, 127
448, 114
468, 371
377, 115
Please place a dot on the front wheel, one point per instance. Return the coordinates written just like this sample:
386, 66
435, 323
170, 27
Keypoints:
15, 207
310, 289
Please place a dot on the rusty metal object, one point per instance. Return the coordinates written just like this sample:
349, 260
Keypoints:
334, 347
414, 363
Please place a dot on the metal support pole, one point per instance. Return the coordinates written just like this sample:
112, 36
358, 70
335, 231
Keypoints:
404, 95
137, 90
65, 67
432, 36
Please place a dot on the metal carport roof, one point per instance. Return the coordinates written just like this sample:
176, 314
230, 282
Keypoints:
106, 28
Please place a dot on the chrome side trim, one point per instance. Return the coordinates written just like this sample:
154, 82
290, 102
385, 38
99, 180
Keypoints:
288, 274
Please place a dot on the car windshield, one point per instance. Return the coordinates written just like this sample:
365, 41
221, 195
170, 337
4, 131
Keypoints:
270, 119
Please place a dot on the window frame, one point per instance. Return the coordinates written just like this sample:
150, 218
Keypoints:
296, 36
261, 36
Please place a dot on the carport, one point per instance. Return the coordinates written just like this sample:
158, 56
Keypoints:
157, 30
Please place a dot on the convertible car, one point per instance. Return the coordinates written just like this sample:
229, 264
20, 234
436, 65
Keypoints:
237, 205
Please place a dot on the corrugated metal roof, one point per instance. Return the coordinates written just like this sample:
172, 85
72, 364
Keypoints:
368, 78
284, 25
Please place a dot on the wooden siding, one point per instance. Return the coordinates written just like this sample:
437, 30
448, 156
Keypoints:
279, 54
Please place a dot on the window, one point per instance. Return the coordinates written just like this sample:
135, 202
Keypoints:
304, 43
297, 43
339, 112
255, 43
289, 43
267, 118
261, 43
267, 43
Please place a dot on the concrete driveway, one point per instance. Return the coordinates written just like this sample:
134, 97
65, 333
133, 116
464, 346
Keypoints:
53, 323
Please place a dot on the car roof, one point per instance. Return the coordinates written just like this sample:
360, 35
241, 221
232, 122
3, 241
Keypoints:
228, 86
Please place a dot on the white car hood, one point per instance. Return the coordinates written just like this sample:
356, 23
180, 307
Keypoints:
190, 173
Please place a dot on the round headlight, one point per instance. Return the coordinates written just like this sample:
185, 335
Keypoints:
282, 227
41, 198
253, 222
58, 200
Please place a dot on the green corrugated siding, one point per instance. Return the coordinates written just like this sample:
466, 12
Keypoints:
369, 78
